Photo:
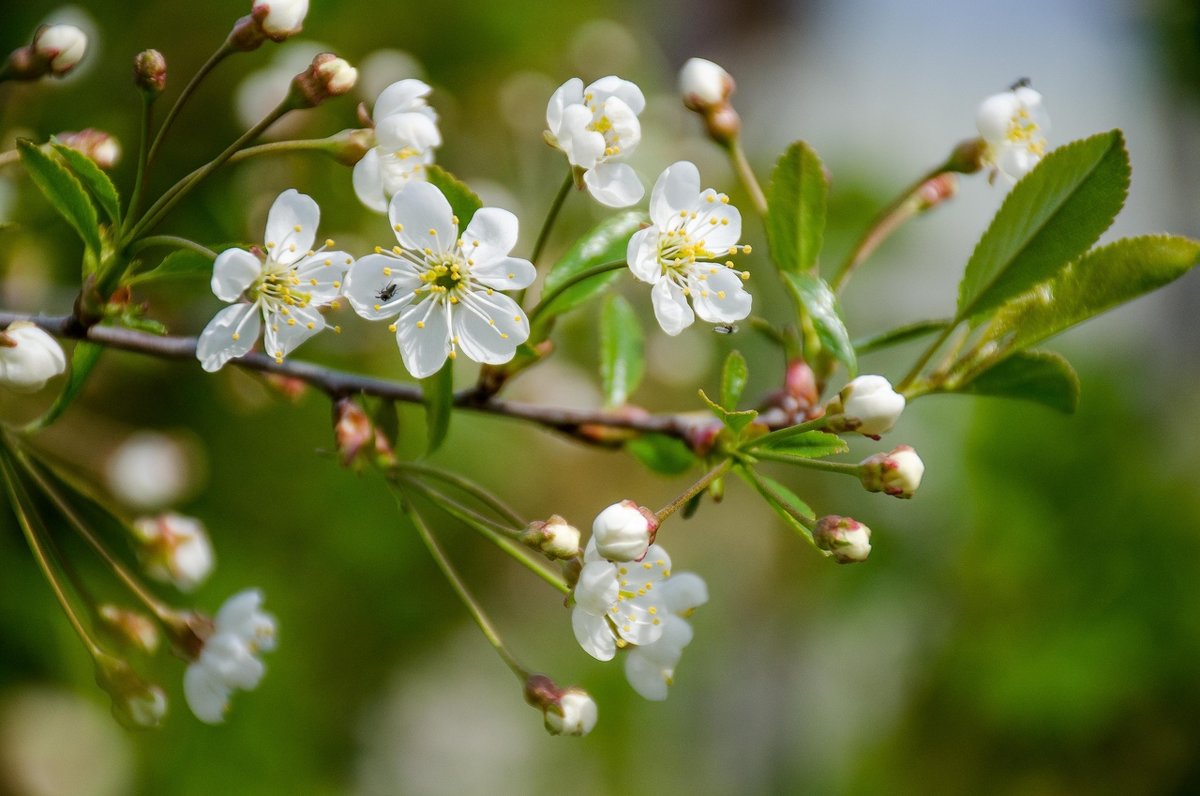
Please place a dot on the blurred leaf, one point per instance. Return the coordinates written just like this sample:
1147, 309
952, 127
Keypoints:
733, 379
797, 199
63, 191
1100, 280
901, 334
94, 179
815, 295
805, 445
438, 390
179, 264
622, 354
1050, 218
784, 501
83, 359
386, 418
733, 420
662, 454
463, 201
1042, 377
605, 243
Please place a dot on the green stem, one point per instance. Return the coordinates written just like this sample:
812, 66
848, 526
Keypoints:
551, 217
915, 371
582, 276
783, 433
762, 485
693, 490
283, 147
746, 174
460, 588
173, 242
814, 464
143, 167
468, 486
224, 50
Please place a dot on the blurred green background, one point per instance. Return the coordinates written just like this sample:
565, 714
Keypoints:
1028, 624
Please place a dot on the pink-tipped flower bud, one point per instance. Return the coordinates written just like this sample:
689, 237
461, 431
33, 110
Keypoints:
800, 384
133, 628
556, 538
352, 429
28, 357
135, 703
897, 473
868, 405
846, 539
175, 549
59, 47
706, 89
328, 76
150, 72
568, 711
623, 531
936, 190
280, 19
102, 148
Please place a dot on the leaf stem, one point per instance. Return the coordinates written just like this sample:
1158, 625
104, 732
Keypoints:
845, 468
582, 276
172, 241
915, 370
693, 490
466, 485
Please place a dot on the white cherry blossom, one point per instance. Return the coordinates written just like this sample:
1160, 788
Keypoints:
175, 549
282, 288
1013, 125
650, 668
229, 659
690, 230
594, 126
406, 133
442, 287
29, 357
619, 603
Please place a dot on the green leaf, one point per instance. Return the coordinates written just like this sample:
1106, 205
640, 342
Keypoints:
83, 359
734, 421
815, 295
662, 454
1042, 377
784, 501
63, 191
179, 264
96, 181
622, 353
607, 242
805, 445
463, 201
1050, 218
1100, 280
797, 200
733, 379
438, 390
901, 334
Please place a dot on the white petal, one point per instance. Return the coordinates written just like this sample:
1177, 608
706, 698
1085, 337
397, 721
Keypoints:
231, 333
292, 226
684, 592
639, 621
424, 351
671, 307
720, 298
242, 615
490, 335
569, 93
399, 97
378, 286
625, 131
613, 86
285, 332
593, 635
403, 166
597, 589
676, 189
232, 661
422, 218
614, 185
404, 130
206, 695
368, 182
507, 273
234, 270
582, 146
666, 652
647, 677
707, 227
642, 255
321, 276
491, 235
995, 114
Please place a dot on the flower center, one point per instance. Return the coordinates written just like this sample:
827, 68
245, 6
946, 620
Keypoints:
446, 276
279, 285
1023, 131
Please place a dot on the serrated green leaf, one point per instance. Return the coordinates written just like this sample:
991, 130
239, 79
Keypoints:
901, 334
1100, 280
438, 391
733, 379
622, 352
662, 454
805, 445
606, 242
1051, 217
784, 501
64, 192
463, 201
815, 295
797, 199
733, 420
179, 264
94, 179
1042, 377
83, 360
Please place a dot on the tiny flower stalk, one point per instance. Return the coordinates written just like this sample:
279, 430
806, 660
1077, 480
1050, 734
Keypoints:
695, 489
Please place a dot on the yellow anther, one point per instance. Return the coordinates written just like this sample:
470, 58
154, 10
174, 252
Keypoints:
329, 242
432, 231
391, 327
703, 294
517, 318
746, 249
279, 359
512, 276
652, 610
503, 336
312, 282
720, 294
291, 321
647, 565
490, 291
725, 222
710, 198
453, 354
336, 284
656, 622
491, 322
337, 330
377, 306
387, 271
397, 250
398, 227
454, 220
236, 336
420, 324
729, 263
270, 244
427, 250
475, 243
745, 275
378, 250
454, 299
724, 199
330, 262
335, 305
311, 325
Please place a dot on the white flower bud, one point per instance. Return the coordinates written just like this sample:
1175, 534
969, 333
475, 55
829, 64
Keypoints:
847, 540
555, 537
102, 148
280, 19
63, 46
149, 471
339, 75
897, 473
623, 531
573, 714
868, 405
146, 708
328, 76
134, 628
29, 357
175, 549
704, 84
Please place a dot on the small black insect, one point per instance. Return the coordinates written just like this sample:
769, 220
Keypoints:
725, 328
386, 292
1021, 83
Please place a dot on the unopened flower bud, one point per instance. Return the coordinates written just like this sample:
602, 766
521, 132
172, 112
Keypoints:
135, 703
135, 629
102, 148
555, 537
897, 473
328, 76
150, 72
936, 190
868, 405
352, 429
60, 47
847, 540
280, 19
175, 549
704, 85
800, 384
623, 531
28, 357
573, 714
